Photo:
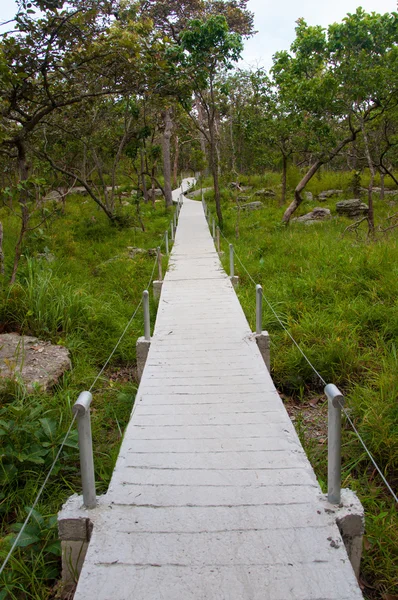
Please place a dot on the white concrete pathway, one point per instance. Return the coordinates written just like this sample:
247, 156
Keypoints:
212, 497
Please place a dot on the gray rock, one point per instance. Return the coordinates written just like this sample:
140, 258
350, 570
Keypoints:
352, 208
36, 363
266, 193
318, 214
308, 196
133, 251
243, 198
328, 194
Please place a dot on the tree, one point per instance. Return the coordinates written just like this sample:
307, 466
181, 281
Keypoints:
206, 47
320, 79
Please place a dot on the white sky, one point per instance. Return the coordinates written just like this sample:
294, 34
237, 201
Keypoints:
275, 22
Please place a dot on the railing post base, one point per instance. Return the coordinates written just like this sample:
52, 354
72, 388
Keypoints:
157, 289
142, 349
234, 280
263, 342
75, 525
350, 519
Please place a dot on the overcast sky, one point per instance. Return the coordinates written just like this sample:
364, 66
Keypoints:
275, 21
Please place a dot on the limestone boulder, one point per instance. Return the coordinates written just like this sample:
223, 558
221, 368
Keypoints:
328, 194
35, 362
352, 208
265, 193
318, 214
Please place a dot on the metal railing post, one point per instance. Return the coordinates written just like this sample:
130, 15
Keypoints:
175, 220
172, 231
147, 318
82, 410
166, 239
231, 261
335, 402
159, 255
214, 229
218, 239
259, 309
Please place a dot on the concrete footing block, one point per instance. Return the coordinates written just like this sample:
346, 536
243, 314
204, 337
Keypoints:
263, 343
75, 525
234, 280
157, 289
350, 519
142, 349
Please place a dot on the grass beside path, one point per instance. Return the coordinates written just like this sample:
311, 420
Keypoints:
337, 295
77, 286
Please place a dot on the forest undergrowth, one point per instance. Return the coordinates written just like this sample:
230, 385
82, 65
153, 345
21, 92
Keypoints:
336, 292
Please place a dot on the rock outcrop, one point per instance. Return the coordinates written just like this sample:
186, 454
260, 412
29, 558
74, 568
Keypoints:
34, 362
318, 214
352, 208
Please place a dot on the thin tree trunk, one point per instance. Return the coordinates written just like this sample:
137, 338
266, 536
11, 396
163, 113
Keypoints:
231, 136
168, 126
143, 176
23, 170
214, 170
371, 218
176, 159
201, 121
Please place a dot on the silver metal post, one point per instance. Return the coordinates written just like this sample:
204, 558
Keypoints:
172, 231
147, 318
82, 409
166, 237
159, 255
175, 220
218, 239
231, 261
259, 308
335, 402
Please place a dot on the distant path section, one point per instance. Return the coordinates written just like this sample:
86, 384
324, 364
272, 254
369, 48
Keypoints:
212, 497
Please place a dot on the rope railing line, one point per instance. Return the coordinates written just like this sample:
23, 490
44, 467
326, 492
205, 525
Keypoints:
15, 543
319, 376
369, 454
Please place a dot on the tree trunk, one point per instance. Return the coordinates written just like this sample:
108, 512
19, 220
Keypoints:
143, 176
311, 172
1, 250
231, 136
23, 170
284, 178
175, 165
202, 137
214, 171
168, 126
371, 217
